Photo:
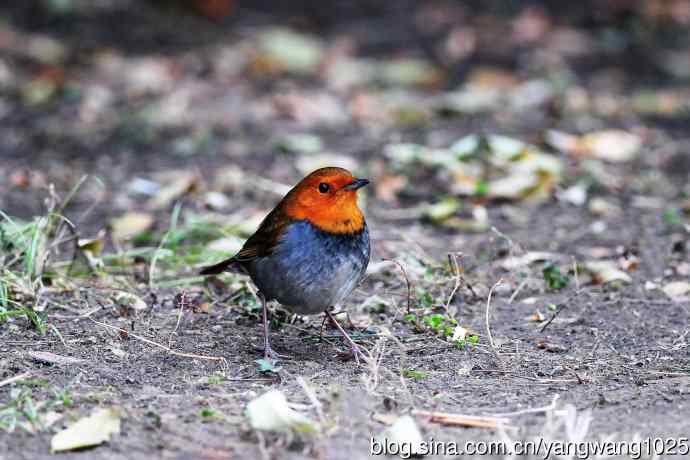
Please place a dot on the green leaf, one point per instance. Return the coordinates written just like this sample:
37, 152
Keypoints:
208, 413
553, 277
414, 374
266, 365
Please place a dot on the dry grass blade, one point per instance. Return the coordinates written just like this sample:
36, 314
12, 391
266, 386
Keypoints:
220, 359
16, 378
448, 419
52, 358
407, 281
533, 410
488, 306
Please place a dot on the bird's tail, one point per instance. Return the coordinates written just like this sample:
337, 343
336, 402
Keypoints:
224, 265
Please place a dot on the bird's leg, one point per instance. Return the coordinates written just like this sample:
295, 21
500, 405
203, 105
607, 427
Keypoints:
269, 354
323, 323
356, 350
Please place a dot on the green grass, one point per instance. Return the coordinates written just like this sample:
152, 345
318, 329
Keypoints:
37, 319
414, 374
173, 226
209, 414
215, 379
4, 293
28, 404
470, 340
181, 246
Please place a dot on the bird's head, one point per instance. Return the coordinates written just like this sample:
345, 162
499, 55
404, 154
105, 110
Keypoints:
328, 199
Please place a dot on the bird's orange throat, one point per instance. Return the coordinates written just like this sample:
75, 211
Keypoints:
343, 216
337, 221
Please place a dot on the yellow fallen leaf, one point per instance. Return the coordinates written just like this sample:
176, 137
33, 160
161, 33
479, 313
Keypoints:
129, 300
178, 187
606, 271
88, 431
537, 317
130, 224
442, 210
612, 145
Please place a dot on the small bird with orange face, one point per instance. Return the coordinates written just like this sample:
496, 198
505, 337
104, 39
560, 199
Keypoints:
311, 251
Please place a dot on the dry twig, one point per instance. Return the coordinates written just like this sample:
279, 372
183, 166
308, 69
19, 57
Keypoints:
407, 281
222, 360
16, 378
488, 306
448, 419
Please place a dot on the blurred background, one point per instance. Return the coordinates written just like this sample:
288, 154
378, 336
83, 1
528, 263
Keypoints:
464, 113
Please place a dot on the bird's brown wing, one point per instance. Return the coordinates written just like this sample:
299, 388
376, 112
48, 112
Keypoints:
261, 243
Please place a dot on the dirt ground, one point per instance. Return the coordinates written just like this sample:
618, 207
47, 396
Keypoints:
616, 350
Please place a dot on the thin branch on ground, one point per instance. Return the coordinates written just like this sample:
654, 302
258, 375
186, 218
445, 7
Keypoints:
222, 360
16, 378
488, 307
517, 291
534, 410
453, 262
182, 301
472, 421
407, 281
311, 394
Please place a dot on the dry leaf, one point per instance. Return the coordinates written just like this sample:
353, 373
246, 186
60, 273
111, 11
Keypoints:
600, 207
575, 195
130, 224
282, 49
610, 145
228, 244
478, 221
537, 317
52, 358
409, 72
606, 271
472, 99
93, 245
404, 432
513, 262
178, 187
441, 211
271, 412
300, 143
677, 290
129, 300
216, 200
88, 431
492, 77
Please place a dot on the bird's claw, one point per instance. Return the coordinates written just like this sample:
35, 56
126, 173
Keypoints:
355, 353
272, 355
358, 354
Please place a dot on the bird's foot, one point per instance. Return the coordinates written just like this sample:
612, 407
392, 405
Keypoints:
271, 355
355, 352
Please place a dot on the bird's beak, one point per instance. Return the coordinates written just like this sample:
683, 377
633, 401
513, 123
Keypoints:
356, 184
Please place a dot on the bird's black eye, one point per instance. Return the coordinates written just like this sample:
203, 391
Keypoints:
324, 187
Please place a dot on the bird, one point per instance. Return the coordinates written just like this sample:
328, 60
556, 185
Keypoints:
309, 252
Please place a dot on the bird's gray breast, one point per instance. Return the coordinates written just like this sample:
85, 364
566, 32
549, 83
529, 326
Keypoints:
311, 270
